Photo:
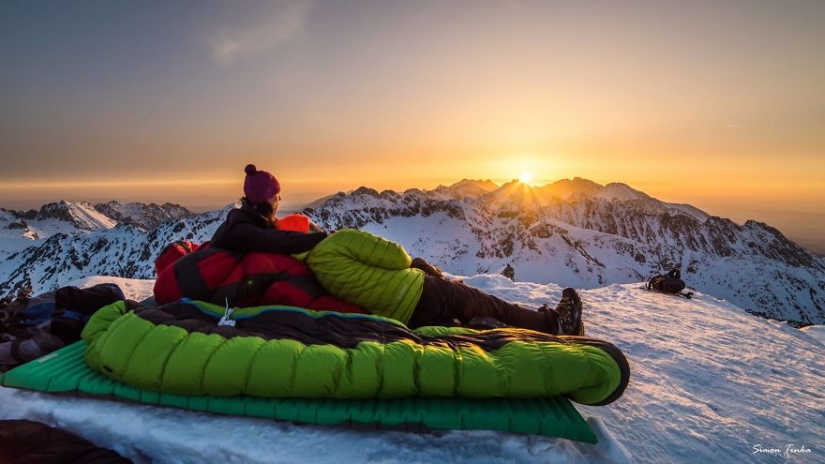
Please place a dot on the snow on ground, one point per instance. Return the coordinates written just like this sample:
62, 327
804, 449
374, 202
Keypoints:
709, 383
817, 332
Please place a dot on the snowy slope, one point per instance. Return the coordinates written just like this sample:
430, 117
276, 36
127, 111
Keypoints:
709, 384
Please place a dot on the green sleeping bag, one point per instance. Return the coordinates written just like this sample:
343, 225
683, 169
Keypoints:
369, 271
65, 372
194, 348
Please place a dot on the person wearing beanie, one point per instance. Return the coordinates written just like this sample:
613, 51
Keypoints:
254, 226
259, 186
378, 275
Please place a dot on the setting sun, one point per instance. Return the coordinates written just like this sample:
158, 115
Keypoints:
525, 177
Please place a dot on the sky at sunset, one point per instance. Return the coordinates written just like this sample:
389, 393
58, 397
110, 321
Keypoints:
720, 104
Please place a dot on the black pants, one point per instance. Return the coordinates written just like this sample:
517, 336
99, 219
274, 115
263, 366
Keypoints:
443, 302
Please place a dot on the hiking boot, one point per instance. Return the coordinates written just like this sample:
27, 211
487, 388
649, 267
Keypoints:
429, 269
569, 312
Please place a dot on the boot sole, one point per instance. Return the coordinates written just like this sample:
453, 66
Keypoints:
578, 329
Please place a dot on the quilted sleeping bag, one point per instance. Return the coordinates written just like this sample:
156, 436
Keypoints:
245, 279
196, 348
370, 271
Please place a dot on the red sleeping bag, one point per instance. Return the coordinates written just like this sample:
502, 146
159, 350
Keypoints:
198, 272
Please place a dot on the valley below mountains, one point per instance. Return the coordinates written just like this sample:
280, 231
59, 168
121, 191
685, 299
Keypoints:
572, 233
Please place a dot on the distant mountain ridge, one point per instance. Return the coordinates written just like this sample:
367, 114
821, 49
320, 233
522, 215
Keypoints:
63, 241
572, 233
579, 233
85, 216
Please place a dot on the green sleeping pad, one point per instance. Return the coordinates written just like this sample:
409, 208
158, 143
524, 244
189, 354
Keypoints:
65, 372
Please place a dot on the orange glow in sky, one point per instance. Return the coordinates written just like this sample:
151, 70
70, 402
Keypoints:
716, 104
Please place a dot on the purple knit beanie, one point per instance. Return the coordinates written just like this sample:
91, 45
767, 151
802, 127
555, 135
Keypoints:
259, 186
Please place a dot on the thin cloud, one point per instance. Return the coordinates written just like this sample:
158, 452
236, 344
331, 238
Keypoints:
737, 126
279, 27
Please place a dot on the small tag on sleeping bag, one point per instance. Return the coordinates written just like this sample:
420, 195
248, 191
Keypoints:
225, 320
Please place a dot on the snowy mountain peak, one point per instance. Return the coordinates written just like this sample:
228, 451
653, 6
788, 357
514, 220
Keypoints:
692, 211
621, 192
514, 195
141, 215
81, 215
468, 188
566, 188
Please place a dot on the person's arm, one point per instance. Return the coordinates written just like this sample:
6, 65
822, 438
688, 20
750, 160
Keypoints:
245, 236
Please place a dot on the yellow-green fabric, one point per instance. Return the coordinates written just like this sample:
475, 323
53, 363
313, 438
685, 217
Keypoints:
65, 372
368, 271
284, 352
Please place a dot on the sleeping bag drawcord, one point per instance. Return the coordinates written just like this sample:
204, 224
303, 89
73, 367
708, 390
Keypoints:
225, 320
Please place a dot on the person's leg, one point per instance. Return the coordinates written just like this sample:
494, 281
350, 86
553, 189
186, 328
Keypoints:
443, 301
434, 306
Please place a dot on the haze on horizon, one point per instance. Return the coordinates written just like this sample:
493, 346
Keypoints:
715, 104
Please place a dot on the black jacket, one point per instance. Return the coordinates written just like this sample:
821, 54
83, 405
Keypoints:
247, 230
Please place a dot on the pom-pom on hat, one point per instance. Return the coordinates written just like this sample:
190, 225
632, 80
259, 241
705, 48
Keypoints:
259, 186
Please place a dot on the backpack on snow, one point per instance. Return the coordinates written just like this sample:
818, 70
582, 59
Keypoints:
32, 326
669, 283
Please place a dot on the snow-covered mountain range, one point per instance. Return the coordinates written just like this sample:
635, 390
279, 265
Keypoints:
68, 240
572, 233
581, 234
